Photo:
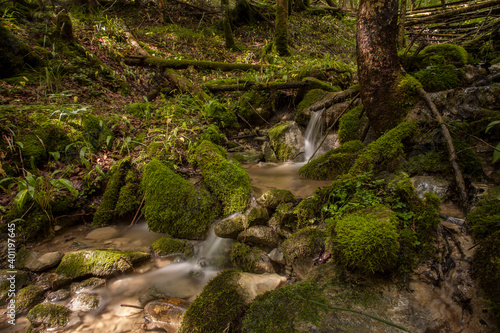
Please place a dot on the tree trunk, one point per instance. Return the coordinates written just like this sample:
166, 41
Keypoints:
402, 19
226, 21
378, 64
281, 28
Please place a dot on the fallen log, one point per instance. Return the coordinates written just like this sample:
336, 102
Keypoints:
185, 85
253, 85
183, 64
334, 98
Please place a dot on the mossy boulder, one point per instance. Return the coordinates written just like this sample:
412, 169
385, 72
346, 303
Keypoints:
385, 152
366, 241
273, 198
245, 257
440, 77
307, 210
231, 226
351, 124
312, 96
286, 309
431, 162
484, 218
334, 163
305, 243
227, 180
443, 53
213, 134
100, 263
173, 205
28, 297
129, 198
48, 316
287, 140
220, 305
167, 246
257, 215
260, 235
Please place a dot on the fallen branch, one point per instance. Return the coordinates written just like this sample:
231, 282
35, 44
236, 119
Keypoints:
132, 306
185, 86
253, 85
334, 98
449, 146
183, 64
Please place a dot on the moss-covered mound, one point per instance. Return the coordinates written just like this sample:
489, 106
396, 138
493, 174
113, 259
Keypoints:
304, 243
101, 263
366, 240
173, 205
167, 246
226, 179
443, 53
218, 307
285, 310
351, 124
129, 198
440, 77
48, 316
273, 198
244, 257
334, 163
286, 139
28, 297
386, 151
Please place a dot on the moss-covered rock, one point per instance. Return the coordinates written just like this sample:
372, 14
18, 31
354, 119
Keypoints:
308, 210
312, 96
443, 53
11, 282
385, 151
440, 77
166, 246
227, 180
28, 297
286, 140
130, 194
100, 263
244, 257
48, 316
351, 124
366, 240
173, 205
305, 243
427, 163
213, 134
285, 310
260, 235
273, 198
332, 164
219, 306
105, 212
484, 219
257, 216
231, 226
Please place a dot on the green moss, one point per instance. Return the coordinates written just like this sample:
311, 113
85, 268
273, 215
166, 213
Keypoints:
28, 297
243, 257
167, 246
406, 92
351, 125
227, 180
308, 210
139, 109
468, 160
306, 242
219, 306
130, 194
334, 163
96, 132
101, 263
367, 241
276, 136
311, 97
213, 134
440, 77
174, 206
431, 162
484, 219
273, 198
314, 83
33, 150
48, 316
105, 212
443, 53
487, 269
32, 226
285, 310
385, 151
218, 113
15, 54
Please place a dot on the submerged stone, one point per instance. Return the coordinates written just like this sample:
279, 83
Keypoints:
48, 316
85, 302
165, 314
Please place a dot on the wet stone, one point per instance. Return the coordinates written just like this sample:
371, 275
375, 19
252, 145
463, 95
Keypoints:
46, 280
87, 285
37, 262
260, 235
58, 295
165, 314
85, 302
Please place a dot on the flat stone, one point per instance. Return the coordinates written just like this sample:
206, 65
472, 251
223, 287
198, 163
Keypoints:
260, 235
85, 302
254, 285
38, 262
103, 233
165, 314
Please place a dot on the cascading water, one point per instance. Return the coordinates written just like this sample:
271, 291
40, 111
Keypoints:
313, 134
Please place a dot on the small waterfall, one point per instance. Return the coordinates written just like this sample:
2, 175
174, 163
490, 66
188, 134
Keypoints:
314, 133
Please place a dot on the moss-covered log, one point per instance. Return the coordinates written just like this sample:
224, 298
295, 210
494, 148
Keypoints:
335, 97
253, 85
185, 86
185, 63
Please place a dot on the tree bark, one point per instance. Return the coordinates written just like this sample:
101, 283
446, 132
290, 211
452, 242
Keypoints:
378, 63
281, 28
402, 19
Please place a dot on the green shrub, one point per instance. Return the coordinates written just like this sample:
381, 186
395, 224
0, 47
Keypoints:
367, 241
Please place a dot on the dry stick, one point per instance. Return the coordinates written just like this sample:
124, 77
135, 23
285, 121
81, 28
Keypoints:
251, 106
449, 146
334, 123
138, 210
132, 306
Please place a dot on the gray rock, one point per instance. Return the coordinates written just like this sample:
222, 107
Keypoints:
260, 235
257, 216
58, 295
85, 302
165, 314
87, 285
46, 280
277, 256
273, 198
268, 152
103, 233
424, 184
231, 226
254, 285
287, 140
37, 262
